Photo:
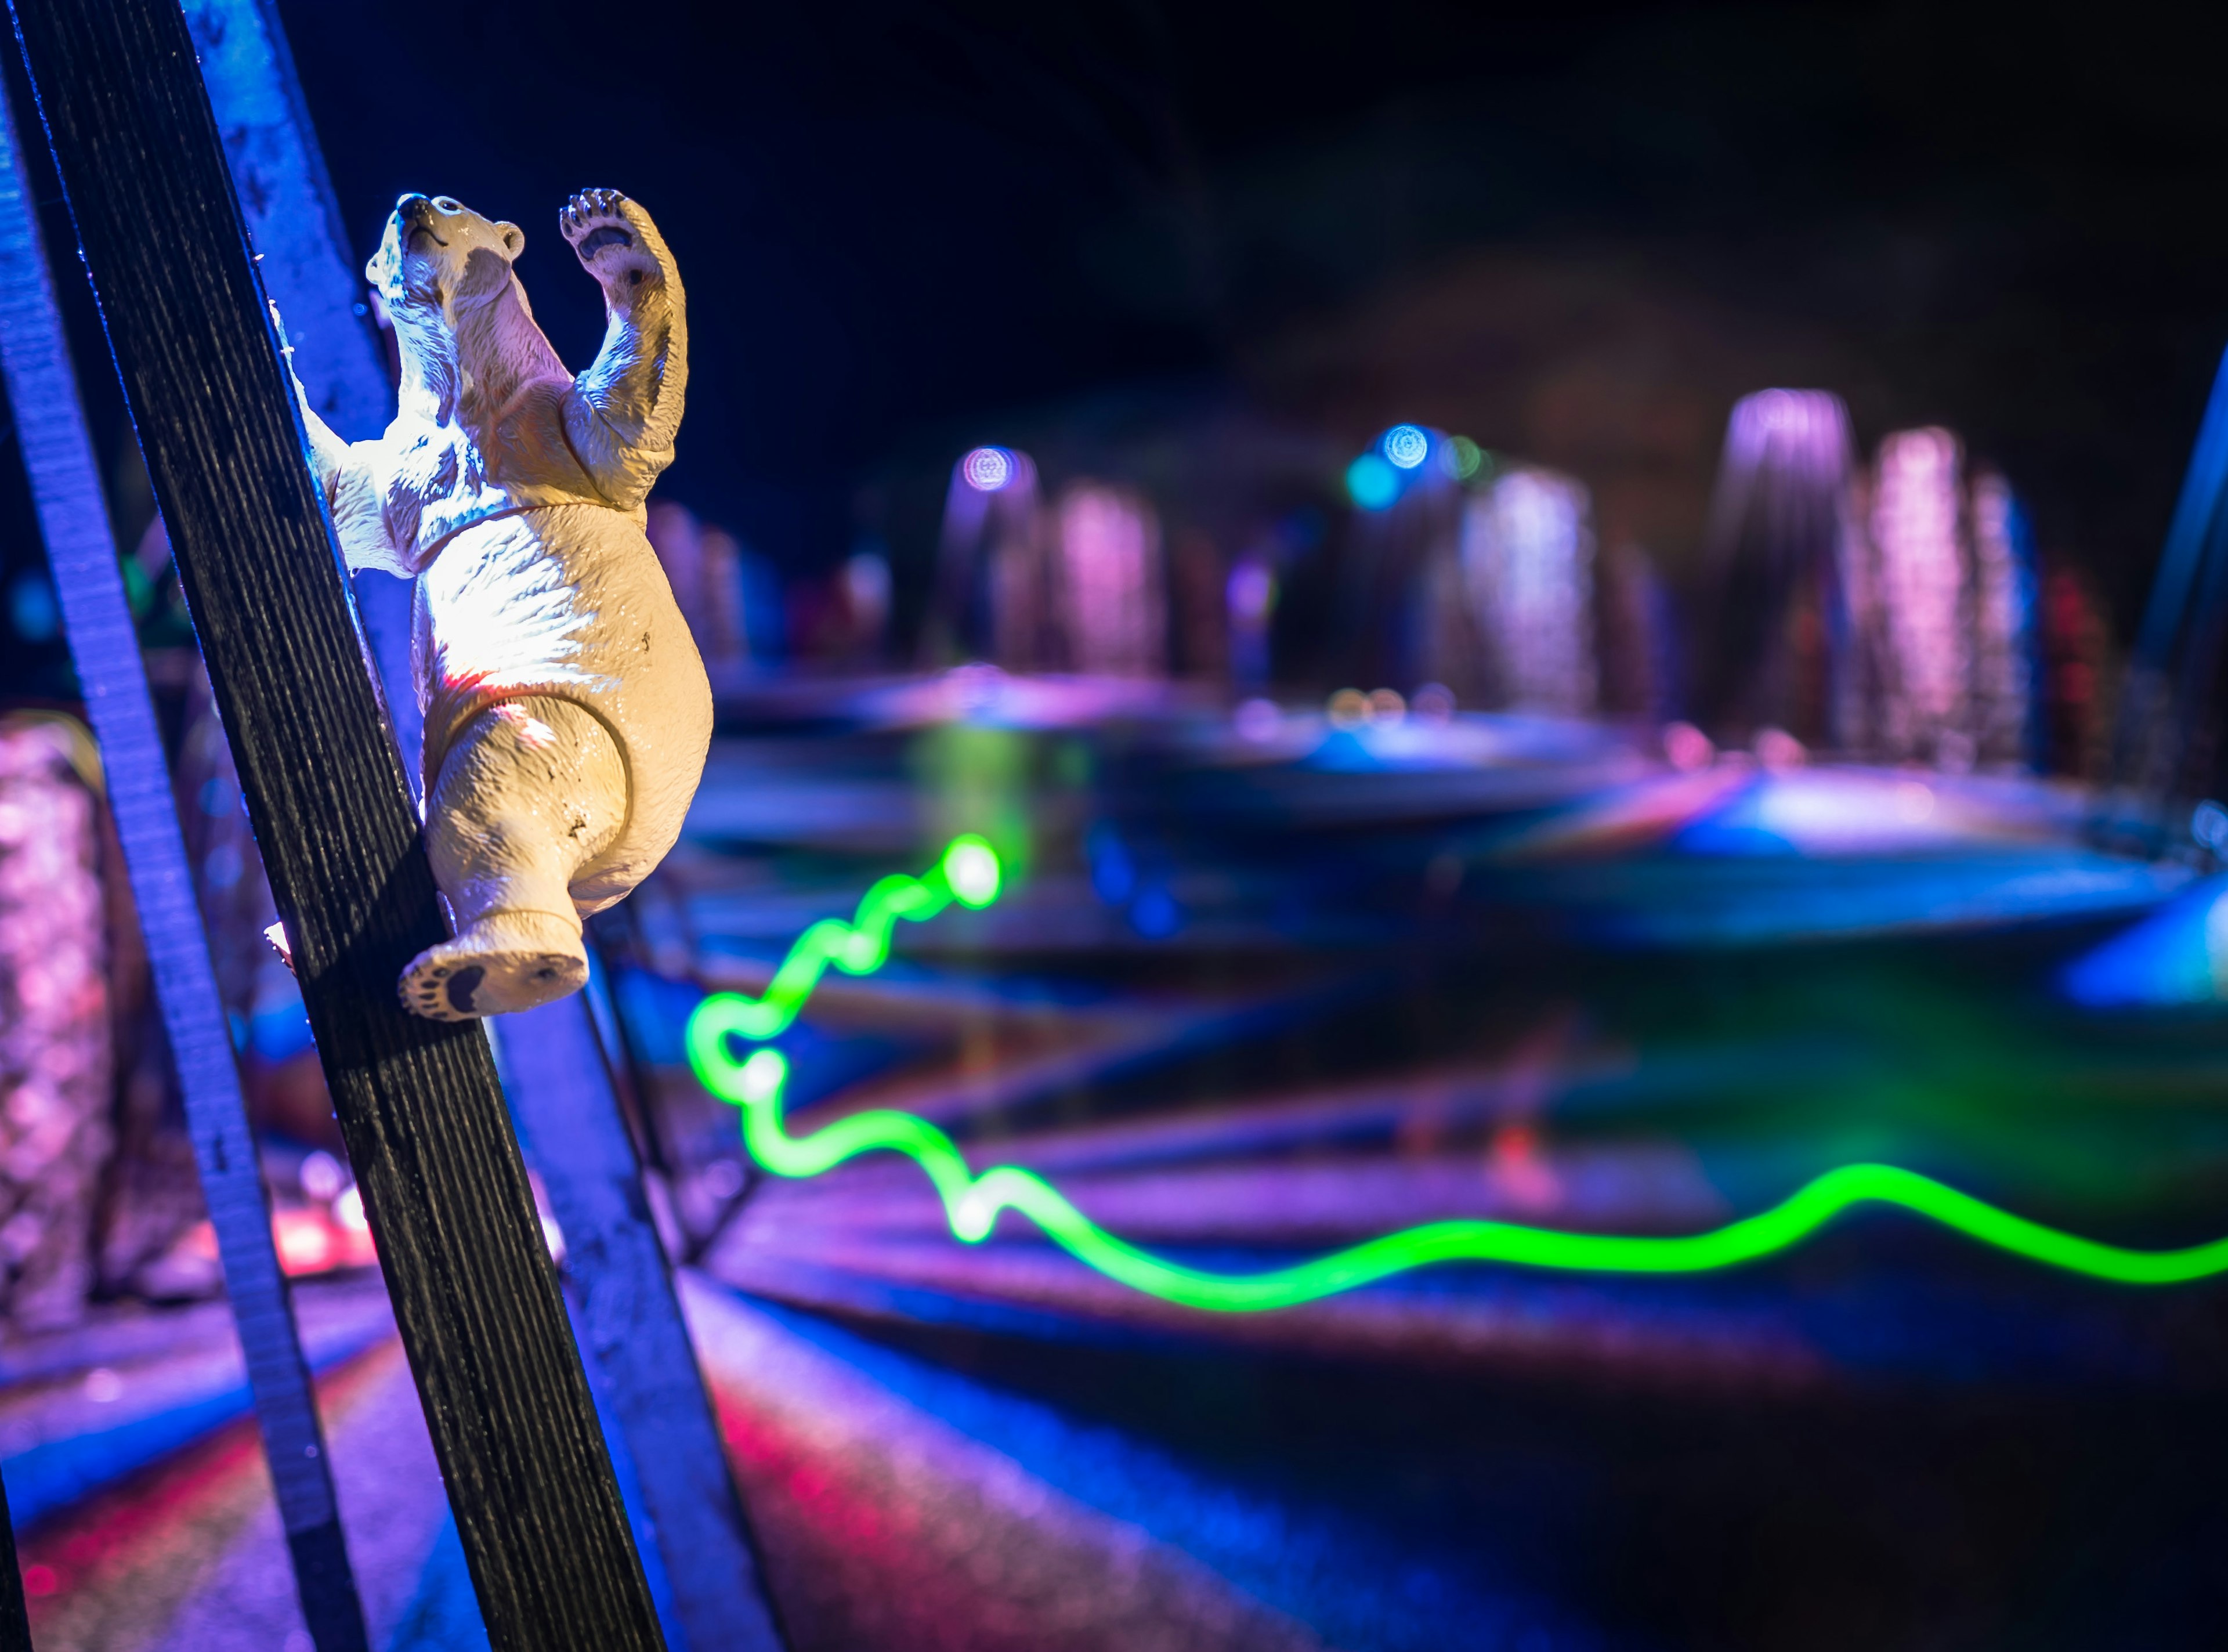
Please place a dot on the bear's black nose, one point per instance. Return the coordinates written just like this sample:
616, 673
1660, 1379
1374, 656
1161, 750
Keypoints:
412, 205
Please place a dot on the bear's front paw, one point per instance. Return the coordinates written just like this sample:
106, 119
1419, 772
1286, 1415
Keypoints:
605, 230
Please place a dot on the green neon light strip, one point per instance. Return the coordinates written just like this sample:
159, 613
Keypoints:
968, 873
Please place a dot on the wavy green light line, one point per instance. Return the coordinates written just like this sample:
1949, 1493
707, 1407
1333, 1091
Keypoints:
972, 1202
967, 872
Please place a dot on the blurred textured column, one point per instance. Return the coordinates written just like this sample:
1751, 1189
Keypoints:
54, 1036
1528, 557
1111, 615
1789, 642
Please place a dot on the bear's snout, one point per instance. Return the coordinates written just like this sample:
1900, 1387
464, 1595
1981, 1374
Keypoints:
414, 214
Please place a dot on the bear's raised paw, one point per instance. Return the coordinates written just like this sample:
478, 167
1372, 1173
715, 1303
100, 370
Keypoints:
600, 225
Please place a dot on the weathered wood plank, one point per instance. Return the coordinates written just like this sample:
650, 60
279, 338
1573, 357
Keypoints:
65, 490
568, 1119
294, 224
144, 169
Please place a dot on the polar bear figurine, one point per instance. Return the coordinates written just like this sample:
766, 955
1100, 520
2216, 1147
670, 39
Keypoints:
566, 711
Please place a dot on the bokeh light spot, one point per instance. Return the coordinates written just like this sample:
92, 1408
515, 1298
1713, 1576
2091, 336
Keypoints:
988, 469
1371, 482
1406, 447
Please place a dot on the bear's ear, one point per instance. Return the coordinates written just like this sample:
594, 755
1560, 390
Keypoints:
514, 240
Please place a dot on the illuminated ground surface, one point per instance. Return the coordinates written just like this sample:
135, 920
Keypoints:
1251, 1001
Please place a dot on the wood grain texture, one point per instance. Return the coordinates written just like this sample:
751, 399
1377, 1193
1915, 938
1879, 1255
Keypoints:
568, 1112
279, 177
58, 458
144, 169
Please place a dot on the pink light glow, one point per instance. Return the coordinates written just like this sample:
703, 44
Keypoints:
55, 1075
1527, 548
1918, 539
1113, 611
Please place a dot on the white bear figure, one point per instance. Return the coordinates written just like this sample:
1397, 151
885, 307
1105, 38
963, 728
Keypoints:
566, 711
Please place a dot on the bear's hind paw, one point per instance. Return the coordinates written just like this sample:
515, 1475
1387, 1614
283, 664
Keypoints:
505, 962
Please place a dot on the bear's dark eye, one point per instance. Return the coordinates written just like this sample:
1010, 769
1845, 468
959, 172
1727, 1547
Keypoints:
446, 205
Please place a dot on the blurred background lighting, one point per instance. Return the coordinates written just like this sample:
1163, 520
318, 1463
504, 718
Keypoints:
1406, 447
1372, 484
2208, 824
988, 469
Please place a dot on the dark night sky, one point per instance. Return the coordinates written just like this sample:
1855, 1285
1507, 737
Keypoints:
897, 221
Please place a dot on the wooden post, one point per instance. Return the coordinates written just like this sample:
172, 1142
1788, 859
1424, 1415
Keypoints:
294, 224
513, 1425
81, 550
568, 1118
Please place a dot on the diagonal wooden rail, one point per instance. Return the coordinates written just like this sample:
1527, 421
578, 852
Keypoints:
302, 257
567, 1109
143, 169
65, 479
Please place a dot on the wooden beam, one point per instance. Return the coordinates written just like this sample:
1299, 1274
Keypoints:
294, 224
513, 1425
65, 490
567, 1108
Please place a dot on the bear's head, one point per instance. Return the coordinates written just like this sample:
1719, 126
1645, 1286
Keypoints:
439, 254
465, 331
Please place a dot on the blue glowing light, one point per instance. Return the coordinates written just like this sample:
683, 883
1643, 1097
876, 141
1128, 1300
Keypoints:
1371, 482
2208, 824
1406, 447
1113, 875
32, 608
988, 469
2179, 955
1154, 914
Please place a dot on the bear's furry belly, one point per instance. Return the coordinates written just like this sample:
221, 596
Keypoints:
569, 601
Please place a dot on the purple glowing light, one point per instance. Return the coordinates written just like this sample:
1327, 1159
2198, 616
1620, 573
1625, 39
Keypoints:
1253, 591
1808, 429
988, 469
